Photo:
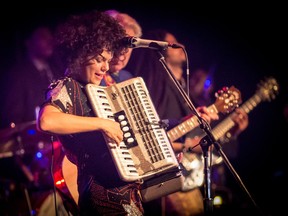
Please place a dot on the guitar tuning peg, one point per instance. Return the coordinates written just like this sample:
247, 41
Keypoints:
225, 88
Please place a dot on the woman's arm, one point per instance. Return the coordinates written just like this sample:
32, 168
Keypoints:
52, 120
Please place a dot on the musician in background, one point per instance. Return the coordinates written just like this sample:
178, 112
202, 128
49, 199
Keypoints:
88, 42
117, 72
202, 92
202, 82
30, 76
22, 93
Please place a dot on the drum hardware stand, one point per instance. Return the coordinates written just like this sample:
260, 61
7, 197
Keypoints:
205, 142
28, 201
26, 172
52, 175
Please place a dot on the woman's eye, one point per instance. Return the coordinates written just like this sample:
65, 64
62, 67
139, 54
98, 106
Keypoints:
98, 59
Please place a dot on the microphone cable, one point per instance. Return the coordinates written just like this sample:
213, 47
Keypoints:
187, 71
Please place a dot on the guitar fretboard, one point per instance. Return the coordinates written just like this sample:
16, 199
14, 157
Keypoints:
186, 126
228, 123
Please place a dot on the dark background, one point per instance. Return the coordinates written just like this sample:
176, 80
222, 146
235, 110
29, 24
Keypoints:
244, 42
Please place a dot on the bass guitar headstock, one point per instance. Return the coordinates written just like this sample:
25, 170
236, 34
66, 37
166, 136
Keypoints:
268, 89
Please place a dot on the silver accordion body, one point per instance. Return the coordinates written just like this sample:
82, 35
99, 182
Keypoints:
146, 150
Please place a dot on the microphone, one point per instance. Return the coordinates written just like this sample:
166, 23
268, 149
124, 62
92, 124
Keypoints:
135, 42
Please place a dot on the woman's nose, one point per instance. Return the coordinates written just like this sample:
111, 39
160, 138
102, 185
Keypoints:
105, 67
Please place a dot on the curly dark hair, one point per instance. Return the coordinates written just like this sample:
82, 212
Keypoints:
88, 34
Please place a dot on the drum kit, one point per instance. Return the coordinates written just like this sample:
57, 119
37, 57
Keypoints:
23, 145
25, 164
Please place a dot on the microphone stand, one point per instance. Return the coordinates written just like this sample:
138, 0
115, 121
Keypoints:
205, 143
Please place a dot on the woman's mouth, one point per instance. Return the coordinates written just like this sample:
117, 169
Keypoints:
100, 76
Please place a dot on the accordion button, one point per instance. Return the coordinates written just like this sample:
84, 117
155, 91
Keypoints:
121, 117
126, 135
125, 128
123, 123
130, 140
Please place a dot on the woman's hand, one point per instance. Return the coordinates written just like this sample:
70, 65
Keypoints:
113, 130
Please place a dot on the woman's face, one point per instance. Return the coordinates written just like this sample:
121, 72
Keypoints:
95, 68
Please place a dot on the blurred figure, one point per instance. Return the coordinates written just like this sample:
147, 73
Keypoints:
202, 93
33, 71
201, 87
25, 84
116, 72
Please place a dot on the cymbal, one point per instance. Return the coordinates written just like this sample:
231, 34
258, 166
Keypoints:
22, 138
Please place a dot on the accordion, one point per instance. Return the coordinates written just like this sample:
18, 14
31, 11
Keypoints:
145, 151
